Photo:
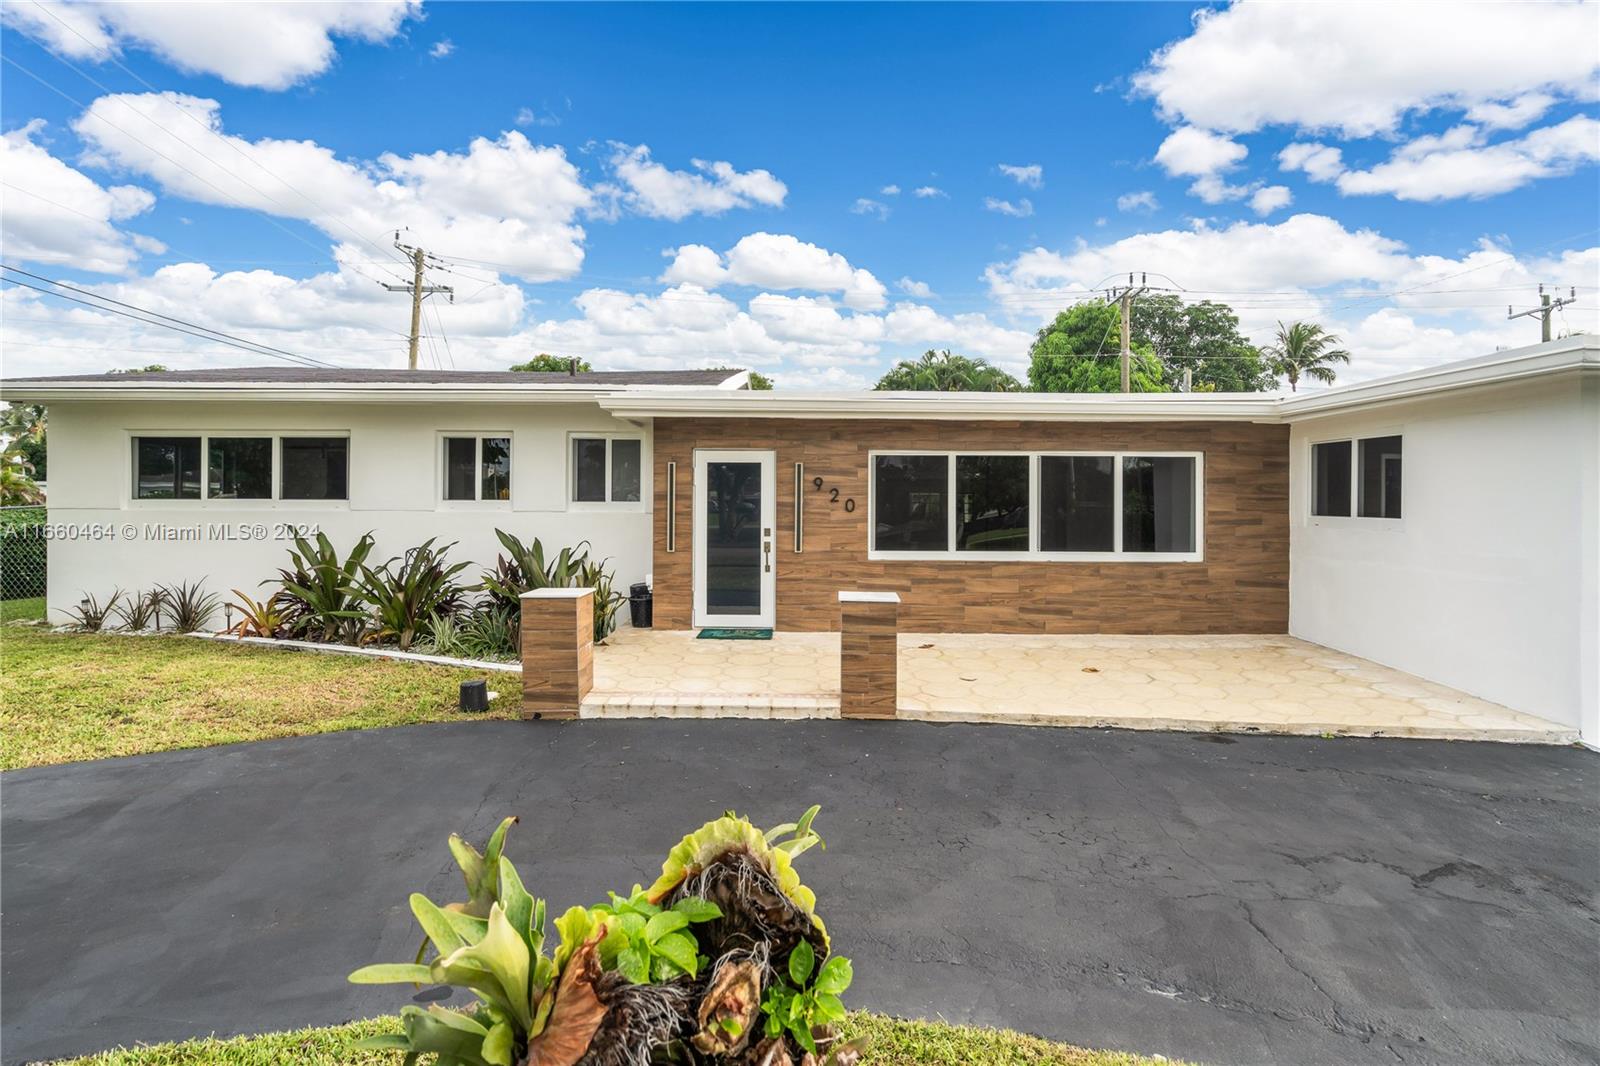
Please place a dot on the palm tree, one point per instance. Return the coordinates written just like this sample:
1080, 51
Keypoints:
1304, 349
17, 486
942, 371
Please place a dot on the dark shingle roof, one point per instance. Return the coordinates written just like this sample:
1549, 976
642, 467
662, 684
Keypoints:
296, 375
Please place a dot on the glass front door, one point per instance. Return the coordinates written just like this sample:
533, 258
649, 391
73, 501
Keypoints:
734, 549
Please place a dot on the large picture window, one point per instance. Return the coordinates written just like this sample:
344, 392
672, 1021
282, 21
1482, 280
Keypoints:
245, 467
477, 468
1008, 505
1358, 478
607, 469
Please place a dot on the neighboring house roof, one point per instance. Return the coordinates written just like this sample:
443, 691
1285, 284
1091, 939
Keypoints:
721, 394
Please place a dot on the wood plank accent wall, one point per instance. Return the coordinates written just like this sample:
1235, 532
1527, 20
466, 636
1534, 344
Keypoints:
1242, 586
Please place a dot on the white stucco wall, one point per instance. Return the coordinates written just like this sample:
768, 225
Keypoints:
1490, 582
394, 491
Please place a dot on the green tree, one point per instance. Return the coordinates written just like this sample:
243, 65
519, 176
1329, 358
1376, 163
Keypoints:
153, 368
1078, 353
942, 371
1304, 350
759, 382
23, 426
1202, 337
17, 486
545, 363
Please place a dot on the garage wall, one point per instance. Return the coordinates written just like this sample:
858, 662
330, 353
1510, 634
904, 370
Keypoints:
1489, 581
394, 492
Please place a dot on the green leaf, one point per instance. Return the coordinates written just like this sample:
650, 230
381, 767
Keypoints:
445, 936
731, 1026
632, 924
504, 954
697, 910
574, 928
633, 964
836, 975
386, 1042
518, 904
666, 922
680, 948
802, 1034
663, 970
392, 973
498, 1044
829, 1007
443, 1032
773, 1026
801, 962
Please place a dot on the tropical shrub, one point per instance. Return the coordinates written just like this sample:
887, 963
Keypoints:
487, 631
606, 601
319, 590
90, 615
141, 610
188, 605
259, 618
722, 960
523, 568
409, 589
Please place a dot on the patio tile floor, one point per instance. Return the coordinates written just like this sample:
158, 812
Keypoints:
1272, 684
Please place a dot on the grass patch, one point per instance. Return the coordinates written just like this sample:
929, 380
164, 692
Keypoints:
894, 1043
66, 697
30, 610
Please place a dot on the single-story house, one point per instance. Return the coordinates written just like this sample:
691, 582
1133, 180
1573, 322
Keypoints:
1445, 522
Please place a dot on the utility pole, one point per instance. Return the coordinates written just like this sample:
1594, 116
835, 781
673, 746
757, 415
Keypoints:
1125, 298
1544, 309
417, 290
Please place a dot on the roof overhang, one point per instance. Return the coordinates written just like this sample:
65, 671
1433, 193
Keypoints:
344, 392
965, 406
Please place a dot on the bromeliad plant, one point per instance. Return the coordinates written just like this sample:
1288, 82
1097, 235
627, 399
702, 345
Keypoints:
409, 589
259, 618
319, 590
188, 605
523, 568
721, 960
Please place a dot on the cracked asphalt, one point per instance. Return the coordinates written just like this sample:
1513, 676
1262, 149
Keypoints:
1228, 900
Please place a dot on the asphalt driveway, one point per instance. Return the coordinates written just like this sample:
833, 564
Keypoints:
1230, 900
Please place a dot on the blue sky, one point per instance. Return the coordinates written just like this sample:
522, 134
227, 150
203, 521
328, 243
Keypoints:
653, 186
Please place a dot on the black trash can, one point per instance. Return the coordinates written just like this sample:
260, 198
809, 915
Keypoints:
640, 605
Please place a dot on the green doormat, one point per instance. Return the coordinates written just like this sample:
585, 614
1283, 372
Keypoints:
735, 634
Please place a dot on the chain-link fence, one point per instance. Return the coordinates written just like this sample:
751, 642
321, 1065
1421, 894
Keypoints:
22, 561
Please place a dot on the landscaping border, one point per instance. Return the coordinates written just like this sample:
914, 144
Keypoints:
350, 649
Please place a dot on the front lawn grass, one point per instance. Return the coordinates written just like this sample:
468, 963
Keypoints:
30, 609
893, 1043
65, 697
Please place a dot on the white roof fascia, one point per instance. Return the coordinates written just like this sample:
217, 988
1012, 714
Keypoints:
977, 406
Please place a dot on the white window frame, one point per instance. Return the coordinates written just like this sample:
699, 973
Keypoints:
441, 475
131, 499
1355, 517
607, 504
1034, 552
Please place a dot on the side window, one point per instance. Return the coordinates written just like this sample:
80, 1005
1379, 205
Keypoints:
477, 468
607, 469
315, 468
1358, 478
1330, 478
1380, 477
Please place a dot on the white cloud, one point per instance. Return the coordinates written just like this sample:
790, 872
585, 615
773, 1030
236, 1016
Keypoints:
1319, 161
1021, 209
865, 206
442, 48
527, 116
969, 334
53, 214
928, 192
1190, 152
1144, 200
1270, 198
1263, 270
504, 201
1458, 164
920, 289
889, 190
264, 46
654, 190
1359, 68
1030, 176
777, 261
1512, 115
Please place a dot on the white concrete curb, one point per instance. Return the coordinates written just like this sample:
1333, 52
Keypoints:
371, 653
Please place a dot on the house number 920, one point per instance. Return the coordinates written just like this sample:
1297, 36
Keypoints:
833, 494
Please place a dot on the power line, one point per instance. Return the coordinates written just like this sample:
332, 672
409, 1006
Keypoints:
188, 170
180, 325
108, 54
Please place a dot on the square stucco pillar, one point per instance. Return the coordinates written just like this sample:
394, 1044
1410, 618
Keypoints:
869, 624
557, 651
